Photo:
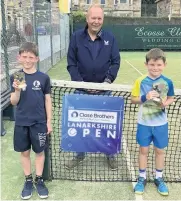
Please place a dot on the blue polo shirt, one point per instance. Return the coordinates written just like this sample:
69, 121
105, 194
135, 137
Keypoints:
31, 106
93, 61
150, 114
94, 46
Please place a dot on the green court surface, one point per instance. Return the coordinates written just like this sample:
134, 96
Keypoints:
132, 65
12, 181
12, 178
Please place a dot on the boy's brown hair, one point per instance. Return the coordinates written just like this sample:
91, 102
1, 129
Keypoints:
29, 47
155, 54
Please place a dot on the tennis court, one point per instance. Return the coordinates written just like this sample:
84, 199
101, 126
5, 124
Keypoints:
132, 66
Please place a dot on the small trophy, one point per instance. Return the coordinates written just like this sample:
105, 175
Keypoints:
157, 100
20, 76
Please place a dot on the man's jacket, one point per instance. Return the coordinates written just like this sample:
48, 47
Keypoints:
82, 66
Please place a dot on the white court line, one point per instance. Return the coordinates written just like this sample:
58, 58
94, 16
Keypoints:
127, 153
134, 67
130, 166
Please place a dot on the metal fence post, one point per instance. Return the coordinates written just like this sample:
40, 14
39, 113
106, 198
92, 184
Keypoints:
4, 43
60, 35
51, 33
35, 29
47, 167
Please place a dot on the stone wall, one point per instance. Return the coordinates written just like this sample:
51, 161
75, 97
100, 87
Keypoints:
129, 8
166, 7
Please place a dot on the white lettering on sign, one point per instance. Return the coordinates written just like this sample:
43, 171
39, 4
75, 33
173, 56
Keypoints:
170, 32
92, 116
142, 32
175, 32
72, 132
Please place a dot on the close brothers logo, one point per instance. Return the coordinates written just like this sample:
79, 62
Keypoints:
97, 123
92, 116
74, 114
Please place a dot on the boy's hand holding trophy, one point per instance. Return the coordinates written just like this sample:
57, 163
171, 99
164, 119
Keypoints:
157, 100
19, 81
155, 95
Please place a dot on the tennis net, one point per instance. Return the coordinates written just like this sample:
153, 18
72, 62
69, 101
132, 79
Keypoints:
94, 167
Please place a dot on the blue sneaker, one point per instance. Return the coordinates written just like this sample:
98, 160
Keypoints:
140, 186
27, 189
161, 186
41, 188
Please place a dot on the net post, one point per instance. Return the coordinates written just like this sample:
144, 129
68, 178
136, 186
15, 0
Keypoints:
46, 170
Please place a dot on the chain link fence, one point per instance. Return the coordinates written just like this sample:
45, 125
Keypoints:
36, 21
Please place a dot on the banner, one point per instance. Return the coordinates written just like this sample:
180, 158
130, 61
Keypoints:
143, 37
92, 123
64, 6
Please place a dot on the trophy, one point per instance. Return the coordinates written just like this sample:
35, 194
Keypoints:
20, 76
157, 100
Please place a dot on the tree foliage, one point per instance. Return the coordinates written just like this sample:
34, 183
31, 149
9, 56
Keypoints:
78, 16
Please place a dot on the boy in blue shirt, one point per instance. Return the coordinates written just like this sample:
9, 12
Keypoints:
153, 92
33, 117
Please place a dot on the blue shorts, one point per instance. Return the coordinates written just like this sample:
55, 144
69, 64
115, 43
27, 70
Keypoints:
34, 136
158, 134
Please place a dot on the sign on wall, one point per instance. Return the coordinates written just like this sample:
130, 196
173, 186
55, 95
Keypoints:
148, 36
144, 37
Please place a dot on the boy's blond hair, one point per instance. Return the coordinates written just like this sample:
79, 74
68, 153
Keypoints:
155, 54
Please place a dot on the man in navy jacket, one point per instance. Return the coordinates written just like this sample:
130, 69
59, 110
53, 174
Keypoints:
93, 56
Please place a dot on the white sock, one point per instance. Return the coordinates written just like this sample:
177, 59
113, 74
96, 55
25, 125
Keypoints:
142, 173
159, 174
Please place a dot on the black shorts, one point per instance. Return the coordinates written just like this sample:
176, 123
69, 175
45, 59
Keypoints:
34, 136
